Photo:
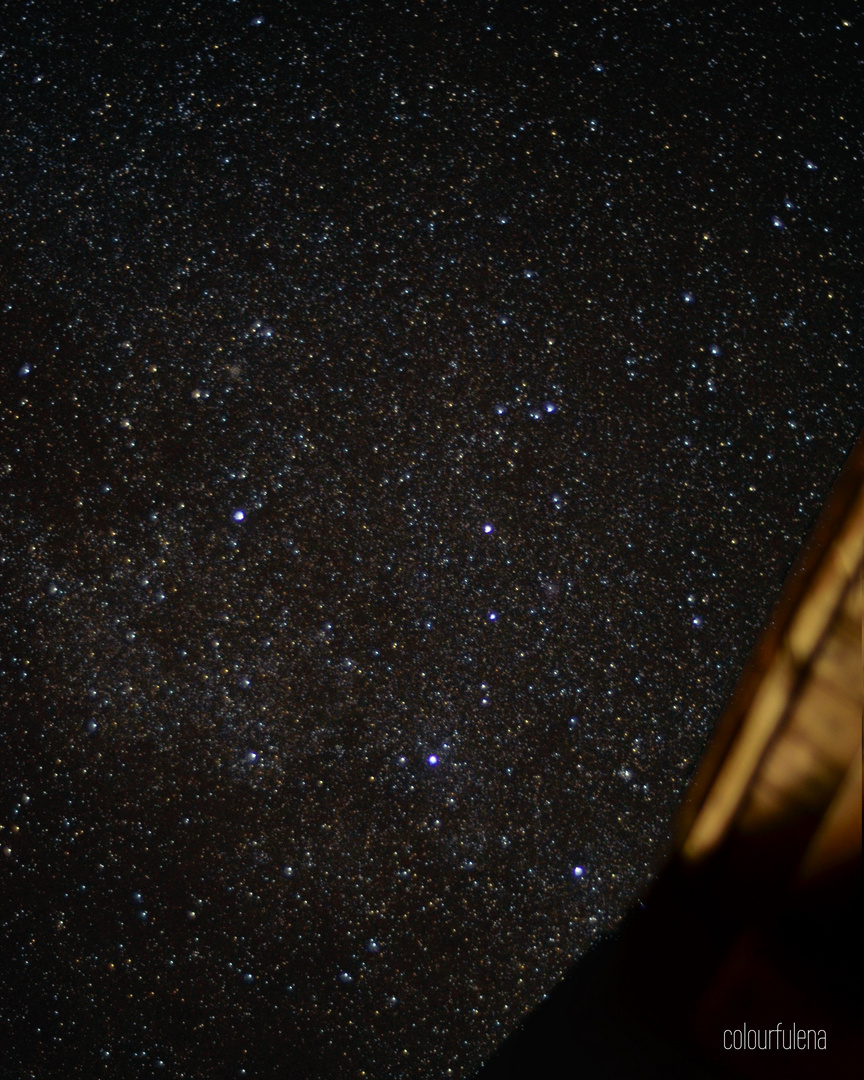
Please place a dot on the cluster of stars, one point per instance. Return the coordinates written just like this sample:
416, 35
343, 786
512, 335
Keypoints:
391, 399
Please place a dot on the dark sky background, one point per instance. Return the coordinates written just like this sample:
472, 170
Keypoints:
408, 414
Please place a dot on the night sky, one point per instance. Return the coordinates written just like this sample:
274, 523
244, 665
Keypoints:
408, 414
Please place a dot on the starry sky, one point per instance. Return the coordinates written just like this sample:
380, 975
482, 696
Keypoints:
408, 414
